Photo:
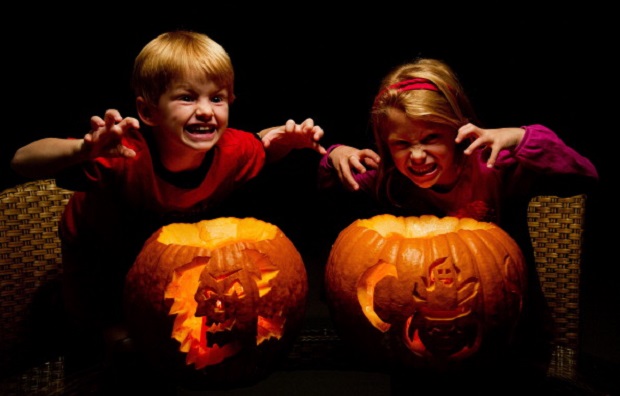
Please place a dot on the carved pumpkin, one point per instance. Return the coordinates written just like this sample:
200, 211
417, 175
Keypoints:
218, 302
425, 291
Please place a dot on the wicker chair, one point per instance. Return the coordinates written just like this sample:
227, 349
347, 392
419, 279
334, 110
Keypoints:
30, 270
556, 228
30, 261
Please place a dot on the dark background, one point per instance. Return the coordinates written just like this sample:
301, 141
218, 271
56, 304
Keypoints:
519, 67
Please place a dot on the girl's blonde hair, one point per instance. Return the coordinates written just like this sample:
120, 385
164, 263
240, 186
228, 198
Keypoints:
177, 54
435, 96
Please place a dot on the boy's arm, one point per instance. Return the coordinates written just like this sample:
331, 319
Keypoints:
279, 141
46, 157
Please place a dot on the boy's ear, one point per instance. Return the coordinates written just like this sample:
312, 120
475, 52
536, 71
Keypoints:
145, 111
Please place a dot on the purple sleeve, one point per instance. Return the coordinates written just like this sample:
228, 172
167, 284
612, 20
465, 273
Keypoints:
328, 178
543, 152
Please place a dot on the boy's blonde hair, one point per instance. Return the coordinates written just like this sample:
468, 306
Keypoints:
177, 54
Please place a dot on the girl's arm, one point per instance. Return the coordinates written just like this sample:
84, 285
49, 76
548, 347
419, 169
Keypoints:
533, 147
542, 150
345, 164
543, 164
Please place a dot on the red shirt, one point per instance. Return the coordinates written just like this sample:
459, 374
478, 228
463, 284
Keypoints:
120, 202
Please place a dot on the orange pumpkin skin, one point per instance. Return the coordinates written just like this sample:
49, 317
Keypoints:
425, 291
216, 303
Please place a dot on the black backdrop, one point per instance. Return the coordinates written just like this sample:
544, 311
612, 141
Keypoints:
519, 66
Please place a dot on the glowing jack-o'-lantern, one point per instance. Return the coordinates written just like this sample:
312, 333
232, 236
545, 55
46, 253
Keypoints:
425, 291
216, 302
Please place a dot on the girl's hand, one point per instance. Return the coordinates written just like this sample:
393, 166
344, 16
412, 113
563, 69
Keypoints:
494, 140
348, 160
104, 139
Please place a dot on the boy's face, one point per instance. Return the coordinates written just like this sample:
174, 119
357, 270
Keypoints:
422, 151
191, 116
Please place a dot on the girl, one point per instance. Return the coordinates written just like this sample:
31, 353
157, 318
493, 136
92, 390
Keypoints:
433, 158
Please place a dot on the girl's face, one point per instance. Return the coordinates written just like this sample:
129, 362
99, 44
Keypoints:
190, 117
423, 151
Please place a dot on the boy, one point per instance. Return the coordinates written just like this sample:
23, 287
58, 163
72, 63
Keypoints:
178, 163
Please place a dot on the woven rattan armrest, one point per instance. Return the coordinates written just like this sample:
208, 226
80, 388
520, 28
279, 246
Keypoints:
30, 270
556, 227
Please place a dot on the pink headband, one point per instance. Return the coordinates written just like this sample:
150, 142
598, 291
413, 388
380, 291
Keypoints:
409, 85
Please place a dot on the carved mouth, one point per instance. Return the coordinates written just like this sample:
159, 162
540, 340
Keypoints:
220, 333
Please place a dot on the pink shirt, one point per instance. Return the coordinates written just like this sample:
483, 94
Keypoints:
540, 164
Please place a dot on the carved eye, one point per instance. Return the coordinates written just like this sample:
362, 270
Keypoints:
209, 294
236, 288
443, 275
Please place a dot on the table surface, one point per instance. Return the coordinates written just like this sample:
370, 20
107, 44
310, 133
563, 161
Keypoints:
318, 364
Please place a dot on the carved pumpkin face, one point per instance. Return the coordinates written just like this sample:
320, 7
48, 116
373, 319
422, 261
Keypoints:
425, 291
216, 295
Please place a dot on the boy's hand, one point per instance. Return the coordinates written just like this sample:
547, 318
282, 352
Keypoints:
279, 141
104, 139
